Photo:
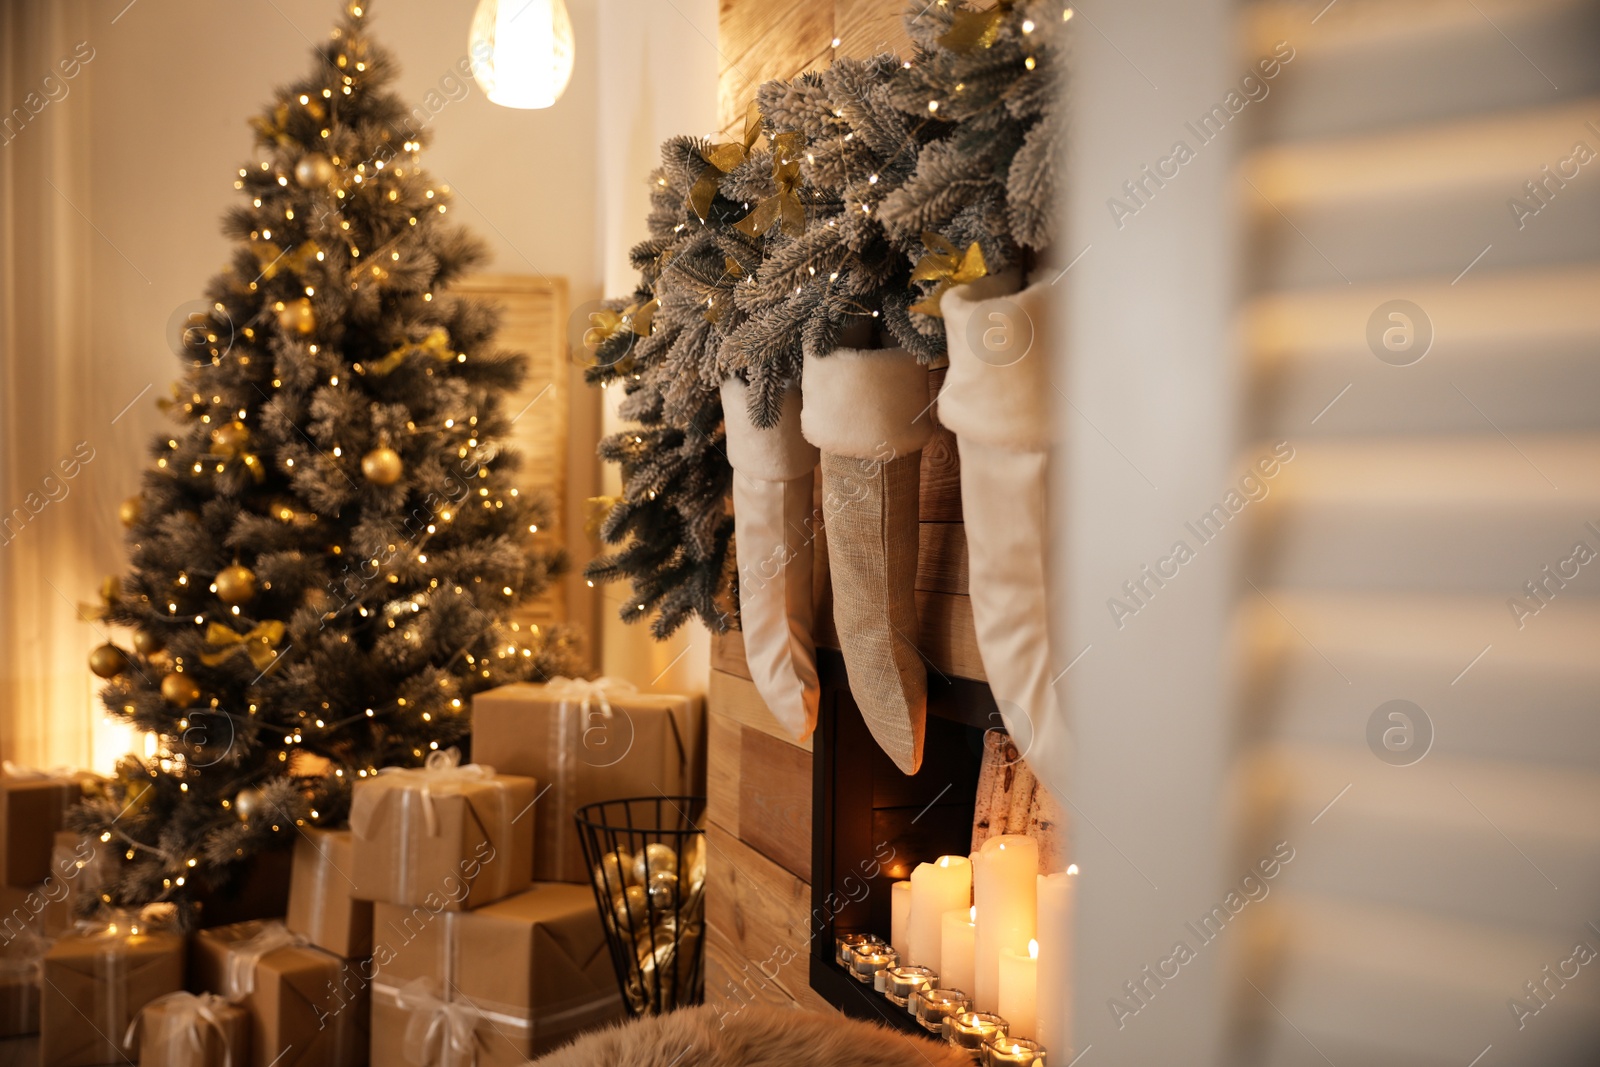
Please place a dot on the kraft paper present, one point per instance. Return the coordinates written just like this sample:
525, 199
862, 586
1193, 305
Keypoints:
322, 905
33, 806
462, 835
505, 982
586, 742
188, 1030
96, 980
307, 1007
21, 957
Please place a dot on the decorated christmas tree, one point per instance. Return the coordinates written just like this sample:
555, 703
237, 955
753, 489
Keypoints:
327, 548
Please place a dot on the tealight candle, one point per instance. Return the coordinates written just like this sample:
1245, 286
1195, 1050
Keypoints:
845, 944
956, 945
1013, 1052
933, 1005
867, 960
900, 918
1019, 988
971, 1029
904, 982
935, 889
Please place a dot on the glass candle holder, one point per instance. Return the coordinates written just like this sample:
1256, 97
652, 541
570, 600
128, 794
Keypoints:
1013, 1052
902, 983
845, 944
868, 960
933, 1005
970, 1030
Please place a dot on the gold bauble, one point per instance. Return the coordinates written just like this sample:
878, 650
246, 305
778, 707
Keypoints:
235, 584
298, 316
108, 661
130, 511
382, 466
313, 170
233, 436
147, 642
249, 802
179, 690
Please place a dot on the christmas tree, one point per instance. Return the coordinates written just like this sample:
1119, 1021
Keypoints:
328, 547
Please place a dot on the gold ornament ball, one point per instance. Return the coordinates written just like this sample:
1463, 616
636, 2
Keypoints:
147, 642
313, 170
130, 511
235, 584
381, 466
298, 316
232, 436
248, 803
108, 661
179, 690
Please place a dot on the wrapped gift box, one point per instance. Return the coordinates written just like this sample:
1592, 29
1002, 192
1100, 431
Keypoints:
95, 983
307, 1007
586, 742
528, 972
322, 905
33, 805
80, 868
442, 836
188, 1030
20, 956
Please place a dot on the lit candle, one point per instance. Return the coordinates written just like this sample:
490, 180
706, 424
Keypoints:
903, 983
867, 960
1013, 1052
1056, 892
1019, 990
1005, 889
935, 889
934, 1005
900, 918
969, 1030
846, 944
956, 947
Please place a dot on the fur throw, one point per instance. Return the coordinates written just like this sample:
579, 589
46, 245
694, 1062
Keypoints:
758, 1036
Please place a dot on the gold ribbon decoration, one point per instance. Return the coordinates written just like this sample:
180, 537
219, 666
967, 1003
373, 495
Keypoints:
231, 442
976, 29
785, 203
274, 259
110, 593
943, 264
600, 508
276, 128
717, 303
722, 159
436, 344
605, 322
260, 644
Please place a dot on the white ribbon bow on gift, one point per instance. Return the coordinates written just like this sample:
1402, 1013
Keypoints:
186, 1016
442, 772
586, 694
440, 1034
240, 980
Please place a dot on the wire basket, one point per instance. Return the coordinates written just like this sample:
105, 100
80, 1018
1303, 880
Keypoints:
647, 864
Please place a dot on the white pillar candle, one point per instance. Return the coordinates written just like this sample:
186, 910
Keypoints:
956, 948
936, 888
1005, 888
900, 919
1056, 893
1019, 983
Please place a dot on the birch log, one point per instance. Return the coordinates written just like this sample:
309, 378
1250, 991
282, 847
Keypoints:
1011, 801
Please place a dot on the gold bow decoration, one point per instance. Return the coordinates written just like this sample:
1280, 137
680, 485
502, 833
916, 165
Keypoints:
436, 344
600, 507
603, 324
943, 264
274, 259
260, 644
785, 204
976, 29
722, 159
276, 128
231, 442
717, 302
110, 593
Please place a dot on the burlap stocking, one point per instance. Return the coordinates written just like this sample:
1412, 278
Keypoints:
996, 400
773, 532
867, 411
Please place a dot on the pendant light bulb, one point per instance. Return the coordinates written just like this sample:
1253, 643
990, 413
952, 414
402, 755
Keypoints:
521, 51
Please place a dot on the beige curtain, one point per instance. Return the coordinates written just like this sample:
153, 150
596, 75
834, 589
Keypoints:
56, 537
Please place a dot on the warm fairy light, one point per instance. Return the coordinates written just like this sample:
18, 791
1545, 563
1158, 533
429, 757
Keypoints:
933, 105
1028, 63
1033, 947
1027, 25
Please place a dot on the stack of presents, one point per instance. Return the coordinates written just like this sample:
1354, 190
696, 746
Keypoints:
453, 923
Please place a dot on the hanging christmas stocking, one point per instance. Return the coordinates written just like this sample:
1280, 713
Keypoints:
773, 530
867, 410
996, 400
